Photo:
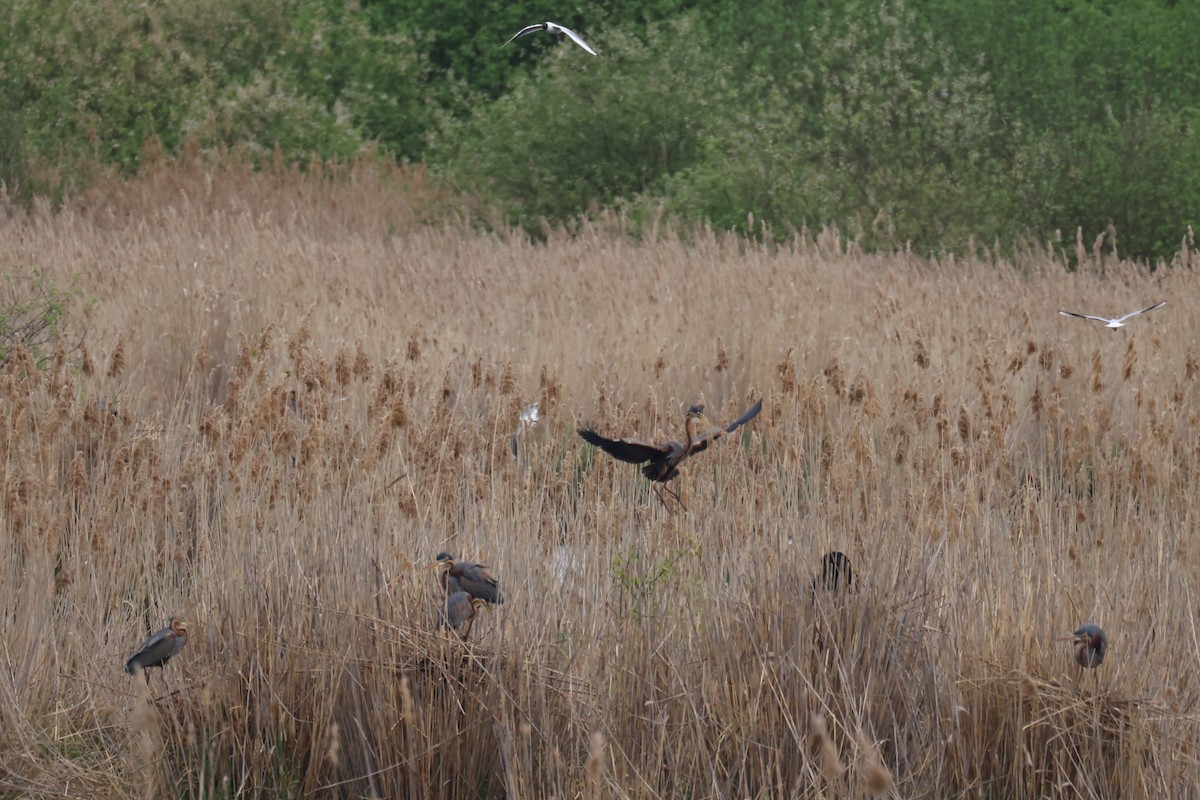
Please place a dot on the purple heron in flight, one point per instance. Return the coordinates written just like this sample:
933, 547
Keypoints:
463, 576
158, 649
662, 460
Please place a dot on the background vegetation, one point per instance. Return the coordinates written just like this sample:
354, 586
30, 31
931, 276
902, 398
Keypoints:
293, 393
933, 124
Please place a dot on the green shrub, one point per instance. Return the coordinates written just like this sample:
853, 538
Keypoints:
894, 130
588, 130
33, 314
375, 82
1140, 174
264, 115
97, 80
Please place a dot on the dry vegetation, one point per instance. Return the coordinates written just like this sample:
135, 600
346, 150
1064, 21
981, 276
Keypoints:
295, 392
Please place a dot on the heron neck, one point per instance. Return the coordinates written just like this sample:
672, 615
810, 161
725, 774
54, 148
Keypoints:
687, 433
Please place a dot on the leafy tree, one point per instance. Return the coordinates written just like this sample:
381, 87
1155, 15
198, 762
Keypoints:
585, 130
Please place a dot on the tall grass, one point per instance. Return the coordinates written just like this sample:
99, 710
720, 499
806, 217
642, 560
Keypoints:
296, 391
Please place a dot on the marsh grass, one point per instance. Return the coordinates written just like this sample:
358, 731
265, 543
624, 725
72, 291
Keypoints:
297, 389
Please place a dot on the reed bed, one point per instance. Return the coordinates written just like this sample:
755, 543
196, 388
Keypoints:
294, 390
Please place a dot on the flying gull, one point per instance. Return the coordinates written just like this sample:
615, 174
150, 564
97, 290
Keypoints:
1113, 323
551, 27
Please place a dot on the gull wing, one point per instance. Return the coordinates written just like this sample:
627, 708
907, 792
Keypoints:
703, 440
631, 451
576, 39
1089, 316
1143, 311
528, 29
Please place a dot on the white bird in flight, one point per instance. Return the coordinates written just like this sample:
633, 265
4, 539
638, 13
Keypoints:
1113, 323
530, 416
550, 27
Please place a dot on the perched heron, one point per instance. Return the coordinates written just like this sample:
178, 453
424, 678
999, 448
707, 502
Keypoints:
1113, 323
158, 649
663, 460
1091, 644
459, 609
835, 573
463, 576
550, 27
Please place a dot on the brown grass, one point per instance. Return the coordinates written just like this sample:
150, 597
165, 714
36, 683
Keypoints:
300, 390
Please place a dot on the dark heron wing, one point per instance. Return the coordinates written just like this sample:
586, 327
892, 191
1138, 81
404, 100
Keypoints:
477, 581
631, 451
464, 576
703, 440
155, 651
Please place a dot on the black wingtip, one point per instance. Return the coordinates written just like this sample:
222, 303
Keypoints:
590, 436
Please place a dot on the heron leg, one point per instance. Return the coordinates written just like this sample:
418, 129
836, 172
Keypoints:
673, 494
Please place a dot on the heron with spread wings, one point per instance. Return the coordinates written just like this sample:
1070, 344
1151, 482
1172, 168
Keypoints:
662, 460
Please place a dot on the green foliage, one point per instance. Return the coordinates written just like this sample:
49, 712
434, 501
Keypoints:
895, 129
1140, 174
908, 131
907, 125
1055, 65
375, 82
465, 39
33, 314
922, 124
588, 130
14, 170
97, 80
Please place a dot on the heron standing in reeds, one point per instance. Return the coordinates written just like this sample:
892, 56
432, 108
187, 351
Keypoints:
662, 460
464, 576
458, 609
836, 573
157, 650
1091, 644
